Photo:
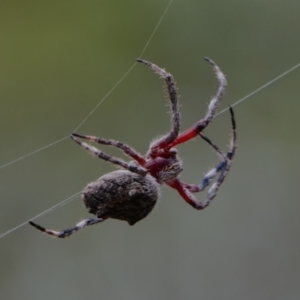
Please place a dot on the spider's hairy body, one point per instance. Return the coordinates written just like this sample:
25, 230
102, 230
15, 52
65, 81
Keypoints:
121, 195
164, 169
130, 194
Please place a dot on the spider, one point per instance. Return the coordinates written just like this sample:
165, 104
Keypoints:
131, 193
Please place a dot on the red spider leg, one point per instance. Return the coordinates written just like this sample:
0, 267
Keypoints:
190, 198
172, 91
194, 188
186, 194
127, 149
186, 190
211, 111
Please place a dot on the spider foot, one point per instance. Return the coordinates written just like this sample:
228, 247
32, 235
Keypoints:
157, 69
67, 232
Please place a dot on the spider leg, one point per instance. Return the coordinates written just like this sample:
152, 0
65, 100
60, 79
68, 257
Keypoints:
186, 190
226, 159
172, 91
126, 149
67, 232
211, 111
131, 166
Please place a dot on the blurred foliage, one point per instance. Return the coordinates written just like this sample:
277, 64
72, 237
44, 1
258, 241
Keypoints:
60, 58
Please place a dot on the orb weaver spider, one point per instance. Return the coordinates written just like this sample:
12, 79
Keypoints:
131, 193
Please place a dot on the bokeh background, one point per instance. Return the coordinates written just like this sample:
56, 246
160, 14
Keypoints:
60, 58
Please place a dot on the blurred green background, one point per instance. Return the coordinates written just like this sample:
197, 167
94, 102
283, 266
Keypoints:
60, 58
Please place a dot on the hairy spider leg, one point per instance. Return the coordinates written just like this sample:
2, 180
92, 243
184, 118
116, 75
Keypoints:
67, 232
226, 159
125, 148
131, 166
211, 111
172, 91
186, 190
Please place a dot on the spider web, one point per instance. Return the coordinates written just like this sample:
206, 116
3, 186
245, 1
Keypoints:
76, 195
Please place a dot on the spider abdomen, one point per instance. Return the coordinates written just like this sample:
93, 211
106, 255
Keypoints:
121, 195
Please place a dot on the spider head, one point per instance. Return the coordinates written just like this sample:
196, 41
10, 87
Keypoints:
164, 165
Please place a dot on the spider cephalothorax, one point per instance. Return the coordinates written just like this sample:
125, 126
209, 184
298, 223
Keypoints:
130, 194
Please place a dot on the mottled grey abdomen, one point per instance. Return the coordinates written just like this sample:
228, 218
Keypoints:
121, 195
